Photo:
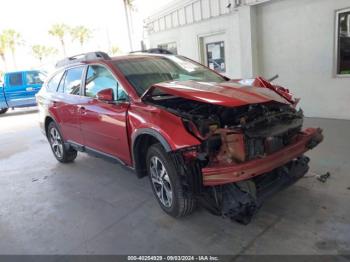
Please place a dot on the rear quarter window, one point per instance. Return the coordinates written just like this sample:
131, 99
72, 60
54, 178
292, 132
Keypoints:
54, 82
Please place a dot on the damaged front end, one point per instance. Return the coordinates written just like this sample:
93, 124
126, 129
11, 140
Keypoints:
246, 153
240, 201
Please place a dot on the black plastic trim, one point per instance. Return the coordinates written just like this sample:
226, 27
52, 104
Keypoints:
95, 153
152, 132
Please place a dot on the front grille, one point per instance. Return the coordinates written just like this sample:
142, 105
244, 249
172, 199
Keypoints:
254, 148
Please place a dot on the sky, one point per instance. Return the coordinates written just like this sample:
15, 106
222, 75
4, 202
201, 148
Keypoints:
106, 18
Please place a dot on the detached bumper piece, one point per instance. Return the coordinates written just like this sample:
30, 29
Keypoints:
241, 200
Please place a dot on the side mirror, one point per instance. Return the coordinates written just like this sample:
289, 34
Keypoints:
106, 95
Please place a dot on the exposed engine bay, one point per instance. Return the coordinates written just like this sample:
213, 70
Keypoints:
238, 134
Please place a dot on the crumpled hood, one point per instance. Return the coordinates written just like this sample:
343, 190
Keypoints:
230, 94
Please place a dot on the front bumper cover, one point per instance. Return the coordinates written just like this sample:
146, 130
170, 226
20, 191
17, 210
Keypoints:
219, 175
241, 205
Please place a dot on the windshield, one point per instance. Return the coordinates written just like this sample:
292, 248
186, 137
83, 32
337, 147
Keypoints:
143, 72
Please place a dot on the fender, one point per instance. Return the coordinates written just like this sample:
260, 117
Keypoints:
152, 132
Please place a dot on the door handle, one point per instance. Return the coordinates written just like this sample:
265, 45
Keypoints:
82, 110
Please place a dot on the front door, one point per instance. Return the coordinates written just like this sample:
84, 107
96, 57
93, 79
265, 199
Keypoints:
103, 124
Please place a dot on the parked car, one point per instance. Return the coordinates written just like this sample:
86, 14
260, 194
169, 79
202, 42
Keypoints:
199, 136
19, 89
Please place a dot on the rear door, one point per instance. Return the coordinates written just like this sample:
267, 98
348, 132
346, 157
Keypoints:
103, 124
65, 104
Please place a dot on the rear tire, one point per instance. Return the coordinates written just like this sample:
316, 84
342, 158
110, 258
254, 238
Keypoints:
166, 184
58, 147
3, 110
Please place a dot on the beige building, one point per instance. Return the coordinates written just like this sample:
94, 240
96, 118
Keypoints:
306, 42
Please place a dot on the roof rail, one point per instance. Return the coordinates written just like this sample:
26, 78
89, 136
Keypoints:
82, 58
154, 51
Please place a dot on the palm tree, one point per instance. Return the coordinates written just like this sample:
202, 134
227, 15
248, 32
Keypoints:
80, 33
3, 47
114, 50
41, 51
128, 6
59, 31
13, 39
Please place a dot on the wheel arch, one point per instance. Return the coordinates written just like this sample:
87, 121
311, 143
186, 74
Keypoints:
142, 139
48, 120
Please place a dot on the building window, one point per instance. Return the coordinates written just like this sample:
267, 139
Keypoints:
216, 56
172, 47
343, 42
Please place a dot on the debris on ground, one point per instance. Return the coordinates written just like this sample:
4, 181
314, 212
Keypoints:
320, 177
35, 179
324, 177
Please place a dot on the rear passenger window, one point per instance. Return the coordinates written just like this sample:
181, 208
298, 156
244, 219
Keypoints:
15, 79
72, 81
53, 83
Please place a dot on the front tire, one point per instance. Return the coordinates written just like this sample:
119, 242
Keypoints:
61, 153
3, 110
166, 184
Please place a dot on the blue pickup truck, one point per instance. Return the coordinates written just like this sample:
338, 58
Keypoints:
19, 88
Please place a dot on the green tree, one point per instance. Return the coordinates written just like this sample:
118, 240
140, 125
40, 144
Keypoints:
60, 31
81, 34
114, 50
13, 39
3, 48
41, 51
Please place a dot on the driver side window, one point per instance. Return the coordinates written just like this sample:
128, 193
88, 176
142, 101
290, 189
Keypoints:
99, 78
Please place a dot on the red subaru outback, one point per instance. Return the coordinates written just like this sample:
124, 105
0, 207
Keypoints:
199, 136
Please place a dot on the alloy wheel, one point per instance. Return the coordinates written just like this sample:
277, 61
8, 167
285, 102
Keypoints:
161, 181
56, 142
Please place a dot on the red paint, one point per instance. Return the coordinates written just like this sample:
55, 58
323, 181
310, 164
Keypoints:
106, 95
64, 109
225, 94
261, 82
103, 127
